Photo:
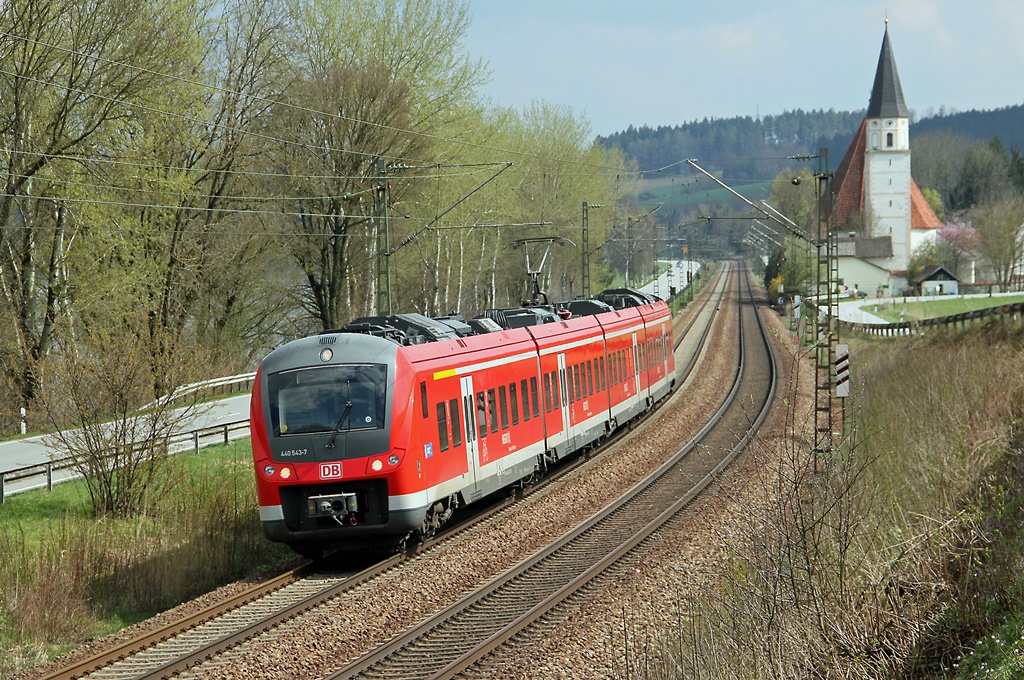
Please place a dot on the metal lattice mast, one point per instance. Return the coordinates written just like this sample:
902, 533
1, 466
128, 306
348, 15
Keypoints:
380, 212
585, 250
826, 324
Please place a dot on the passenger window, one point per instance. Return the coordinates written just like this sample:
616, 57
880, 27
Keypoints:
554, 389
481, 415
423, 398
453, 405
442, 426
571, 394
503, 403
492, 407
534, 397
547, 393
526, 398
514, 403
590, 378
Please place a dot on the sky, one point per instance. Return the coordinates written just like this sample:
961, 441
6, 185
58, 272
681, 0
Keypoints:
669, 62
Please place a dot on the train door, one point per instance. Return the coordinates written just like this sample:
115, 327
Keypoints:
567, 424
636, 364
472, 436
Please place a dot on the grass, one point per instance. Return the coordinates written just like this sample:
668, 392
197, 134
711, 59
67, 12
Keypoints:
946, 306
899, 554
66, 576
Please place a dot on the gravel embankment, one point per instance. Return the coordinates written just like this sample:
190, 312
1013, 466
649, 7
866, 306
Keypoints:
640, 603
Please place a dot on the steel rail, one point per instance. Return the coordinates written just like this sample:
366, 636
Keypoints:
226, 641
410, 654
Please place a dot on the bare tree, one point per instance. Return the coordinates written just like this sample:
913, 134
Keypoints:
98, 397
1001, 238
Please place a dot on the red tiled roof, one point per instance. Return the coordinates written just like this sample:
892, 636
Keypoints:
921, 214
848, 197
848, 194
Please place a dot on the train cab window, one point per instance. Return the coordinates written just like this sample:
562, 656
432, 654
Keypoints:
526, 398
453, 406
442, 426
338, 397
534, 397
492, 407
423, 398
514, 403
590, 378
481, 414
503, 404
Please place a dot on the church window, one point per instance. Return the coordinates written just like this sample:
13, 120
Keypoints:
888, 139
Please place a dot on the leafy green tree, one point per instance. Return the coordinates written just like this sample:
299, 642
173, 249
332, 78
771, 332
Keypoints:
378, 81
74, 73
985, 177
796, 200
934, 199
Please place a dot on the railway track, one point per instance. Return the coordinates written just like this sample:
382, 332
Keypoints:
183, 644
455, 639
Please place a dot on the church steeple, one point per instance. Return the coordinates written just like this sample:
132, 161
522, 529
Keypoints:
886, 94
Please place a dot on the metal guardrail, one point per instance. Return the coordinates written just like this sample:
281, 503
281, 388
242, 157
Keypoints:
210, 387
179, 443
1013, 312
194, 439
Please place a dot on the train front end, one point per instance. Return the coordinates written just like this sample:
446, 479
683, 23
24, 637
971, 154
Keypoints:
329, 432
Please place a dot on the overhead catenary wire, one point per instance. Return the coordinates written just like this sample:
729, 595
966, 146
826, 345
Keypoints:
275, 102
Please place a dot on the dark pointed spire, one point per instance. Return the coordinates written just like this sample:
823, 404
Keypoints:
886, 94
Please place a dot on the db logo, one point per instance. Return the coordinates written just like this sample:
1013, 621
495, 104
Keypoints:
330, 470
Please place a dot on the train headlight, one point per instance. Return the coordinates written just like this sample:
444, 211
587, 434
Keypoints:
326, 353
376, 465
286, 472
393, 459
269, 470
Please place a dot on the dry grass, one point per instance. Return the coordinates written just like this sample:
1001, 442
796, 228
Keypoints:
891, 556
76, 577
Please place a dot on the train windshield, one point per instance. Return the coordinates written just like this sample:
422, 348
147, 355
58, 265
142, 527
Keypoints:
333, 398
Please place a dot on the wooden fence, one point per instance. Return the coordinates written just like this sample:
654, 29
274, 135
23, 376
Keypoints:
1012, 313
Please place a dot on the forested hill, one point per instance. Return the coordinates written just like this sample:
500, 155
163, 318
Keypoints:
1006, 123
757, 148
747, 148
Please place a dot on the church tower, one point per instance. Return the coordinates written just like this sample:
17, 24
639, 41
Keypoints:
880, 214
887, 181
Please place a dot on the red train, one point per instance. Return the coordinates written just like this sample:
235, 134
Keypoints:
369, 434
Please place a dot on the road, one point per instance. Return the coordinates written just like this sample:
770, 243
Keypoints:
37, 450
674, 276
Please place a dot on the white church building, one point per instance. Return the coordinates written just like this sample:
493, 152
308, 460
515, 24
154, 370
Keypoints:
879, 212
